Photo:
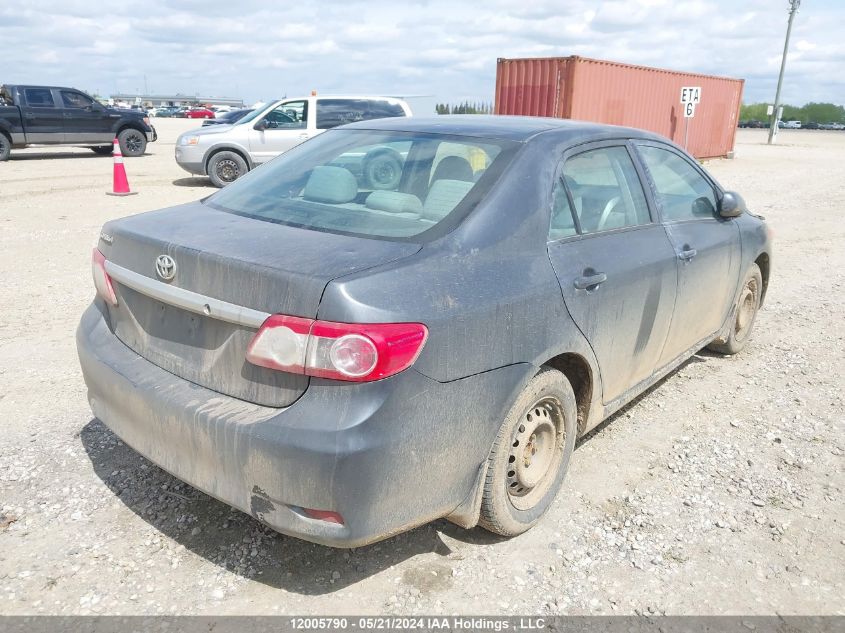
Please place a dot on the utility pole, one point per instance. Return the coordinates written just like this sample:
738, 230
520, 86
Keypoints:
773, 128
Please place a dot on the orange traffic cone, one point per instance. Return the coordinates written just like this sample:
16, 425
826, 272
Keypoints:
121, 183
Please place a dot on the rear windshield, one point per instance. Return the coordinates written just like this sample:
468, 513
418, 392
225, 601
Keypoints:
391, 185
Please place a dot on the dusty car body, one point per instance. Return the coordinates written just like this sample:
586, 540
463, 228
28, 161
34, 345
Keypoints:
344, 363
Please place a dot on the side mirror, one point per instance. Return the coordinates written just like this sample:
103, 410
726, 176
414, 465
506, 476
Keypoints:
731, 205
261, 125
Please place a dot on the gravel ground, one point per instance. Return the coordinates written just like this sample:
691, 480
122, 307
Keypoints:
717, 492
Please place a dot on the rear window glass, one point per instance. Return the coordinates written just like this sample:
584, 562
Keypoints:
39, 97
392, 185
334, 112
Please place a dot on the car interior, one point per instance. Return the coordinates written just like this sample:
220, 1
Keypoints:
682, 192
604, 190
451, 180
362, 183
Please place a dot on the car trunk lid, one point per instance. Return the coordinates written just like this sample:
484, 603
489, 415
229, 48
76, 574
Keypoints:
230, 272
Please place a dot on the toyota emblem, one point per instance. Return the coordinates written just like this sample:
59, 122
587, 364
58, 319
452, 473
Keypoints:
165, 267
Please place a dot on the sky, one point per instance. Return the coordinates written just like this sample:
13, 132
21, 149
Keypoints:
261, 50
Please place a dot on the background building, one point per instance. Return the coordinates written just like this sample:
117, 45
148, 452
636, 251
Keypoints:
152, 101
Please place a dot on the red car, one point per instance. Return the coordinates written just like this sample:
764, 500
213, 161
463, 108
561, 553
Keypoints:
199, 113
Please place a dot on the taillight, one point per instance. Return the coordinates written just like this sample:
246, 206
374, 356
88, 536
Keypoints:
323, 515
102, 281
355, 352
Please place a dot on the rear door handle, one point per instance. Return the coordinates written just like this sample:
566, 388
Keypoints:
590, 281
687, 254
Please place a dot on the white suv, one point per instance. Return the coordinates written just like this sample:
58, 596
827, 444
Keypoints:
226, 152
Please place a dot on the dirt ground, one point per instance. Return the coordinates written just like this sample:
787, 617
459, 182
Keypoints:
718, 492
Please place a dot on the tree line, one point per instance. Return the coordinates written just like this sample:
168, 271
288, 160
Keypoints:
816, 112
483, 107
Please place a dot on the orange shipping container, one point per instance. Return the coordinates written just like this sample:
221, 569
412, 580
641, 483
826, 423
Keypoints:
622, 94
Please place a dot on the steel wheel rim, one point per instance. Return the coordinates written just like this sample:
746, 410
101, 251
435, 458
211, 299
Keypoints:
535, 453
384, 173
746, 309
133, 142
227, 170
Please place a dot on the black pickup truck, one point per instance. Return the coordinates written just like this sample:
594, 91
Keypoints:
46, 115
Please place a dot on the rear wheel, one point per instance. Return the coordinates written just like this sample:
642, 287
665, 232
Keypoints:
132, 142
5, 147
745, 314
530, 456
226, 167
103, 150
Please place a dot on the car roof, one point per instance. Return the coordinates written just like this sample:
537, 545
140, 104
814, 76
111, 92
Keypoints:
330, 96
516, 128
44, 87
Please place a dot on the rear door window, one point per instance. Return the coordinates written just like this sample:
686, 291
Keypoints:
334, 112
39, 98
381, 109
563, 221
606, 190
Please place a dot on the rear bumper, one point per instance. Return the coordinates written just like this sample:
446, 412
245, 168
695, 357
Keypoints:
152, 135
387, 455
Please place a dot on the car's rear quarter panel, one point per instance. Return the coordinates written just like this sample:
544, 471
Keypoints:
487, 291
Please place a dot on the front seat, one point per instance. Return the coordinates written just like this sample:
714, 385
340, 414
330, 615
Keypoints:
453, 168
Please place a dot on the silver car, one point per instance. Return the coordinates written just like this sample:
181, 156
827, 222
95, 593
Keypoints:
226, 152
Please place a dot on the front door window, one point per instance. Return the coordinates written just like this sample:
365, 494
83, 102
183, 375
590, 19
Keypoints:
682, 192
75, 99
292, 115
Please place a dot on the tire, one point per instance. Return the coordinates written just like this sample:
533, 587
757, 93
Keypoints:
5, 147
226, 167
132, 142
383, 170
745, 313
103, 150
543, 420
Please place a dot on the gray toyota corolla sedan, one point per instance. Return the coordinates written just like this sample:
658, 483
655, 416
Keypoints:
408, 319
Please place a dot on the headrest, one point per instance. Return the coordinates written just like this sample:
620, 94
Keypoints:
394, 202
453, 168
334, 185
